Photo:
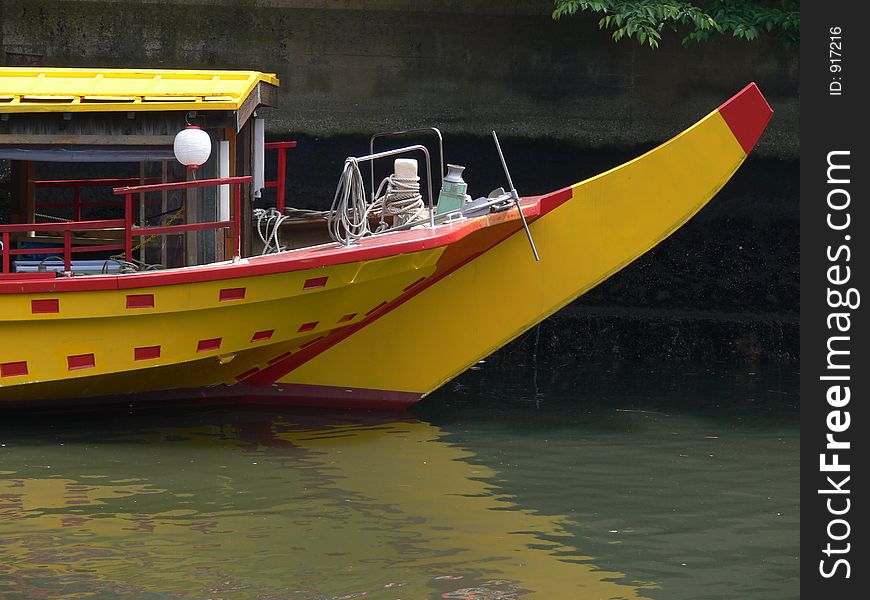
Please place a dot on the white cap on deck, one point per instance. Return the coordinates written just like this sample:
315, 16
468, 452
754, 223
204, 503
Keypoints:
405, 168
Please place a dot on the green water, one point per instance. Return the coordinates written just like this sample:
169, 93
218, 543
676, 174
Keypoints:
592, 482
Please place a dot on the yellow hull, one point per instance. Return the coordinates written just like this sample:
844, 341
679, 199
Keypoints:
601, 225
384, 322
109, 342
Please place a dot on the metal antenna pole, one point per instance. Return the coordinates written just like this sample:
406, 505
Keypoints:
515, 196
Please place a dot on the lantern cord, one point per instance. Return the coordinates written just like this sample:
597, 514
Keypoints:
52, 218
150, 238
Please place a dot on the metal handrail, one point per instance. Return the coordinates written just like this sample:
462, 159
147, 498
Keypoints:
381, 134
376, 155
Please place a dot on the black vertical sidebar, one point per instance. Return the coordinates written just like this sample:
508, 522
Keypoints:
835, 364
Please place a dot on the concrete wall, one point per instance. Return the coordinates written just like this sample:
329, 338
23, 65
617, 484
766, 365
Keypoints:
464, 65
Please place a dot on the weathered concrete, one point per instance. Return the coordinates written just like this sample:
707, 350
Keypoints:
608, 334
466, 66
567, 102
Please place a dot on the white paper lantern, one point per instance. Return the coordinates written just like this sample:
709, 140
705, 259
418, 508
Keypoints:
192, 147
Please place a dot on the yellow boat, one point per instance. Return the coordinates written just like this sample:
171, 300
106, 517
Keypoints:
178, 299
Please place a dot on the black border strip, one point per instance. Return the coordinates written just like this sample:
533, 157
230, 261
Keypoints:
835, 367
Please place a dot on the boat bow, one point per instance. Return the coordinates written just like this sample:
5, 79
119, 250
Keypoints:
585, 233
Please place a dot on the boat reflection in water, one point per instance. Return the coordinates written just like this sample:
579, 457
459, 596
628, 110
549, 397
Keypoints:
312, 506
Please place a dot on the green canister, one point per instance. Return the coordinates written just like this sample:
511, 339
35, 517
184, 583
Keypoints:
452, 196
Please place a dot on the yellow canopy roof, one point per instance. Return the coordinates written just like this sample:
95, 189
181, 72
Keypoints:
40, 89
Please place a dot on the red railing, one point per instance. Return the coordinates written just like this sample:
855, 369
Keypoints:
281, 182
131, 231
66, 249
77, 184
131, 187
126, 224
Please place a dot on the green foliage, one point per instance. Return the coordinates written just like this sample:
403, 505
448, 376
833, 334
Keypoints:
644, 20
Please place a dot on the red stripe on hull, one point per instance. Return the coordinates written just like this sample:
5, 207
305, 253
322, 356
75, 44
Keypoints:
455, 256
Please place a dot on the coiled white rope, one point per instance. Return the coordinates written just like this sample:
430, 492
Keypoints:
348, 220
401, 200
396, 197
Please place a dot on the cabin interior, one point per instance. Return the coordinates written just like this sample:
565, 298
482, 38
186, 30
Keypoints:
67, 147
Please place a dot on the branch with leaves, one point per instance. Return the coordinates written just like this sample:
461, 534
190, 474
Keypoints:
645, 20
